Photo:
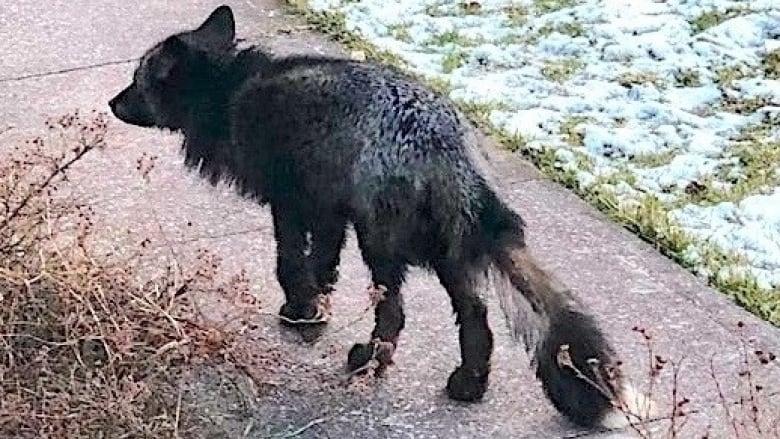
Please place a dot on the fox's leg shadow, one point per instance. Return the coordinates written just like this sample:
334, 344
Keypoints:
387, 275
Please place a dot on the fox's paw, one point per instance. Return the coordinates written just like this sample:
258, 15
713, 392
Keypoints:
365, 356
467, 385
308, 319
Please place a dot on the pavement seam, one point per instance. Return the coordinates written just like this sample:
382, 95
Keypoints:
83, 67
66, 70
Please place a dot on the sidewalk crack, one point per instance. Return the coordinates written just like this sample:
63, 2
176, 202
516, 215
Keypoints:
67, 70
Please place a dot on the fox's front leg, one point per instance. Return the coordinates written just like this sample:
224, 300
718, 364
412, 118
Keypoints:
327, 241
303, 306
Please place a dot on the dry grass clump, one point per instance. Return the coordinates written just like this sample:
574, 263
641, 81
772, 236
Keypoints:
86, 349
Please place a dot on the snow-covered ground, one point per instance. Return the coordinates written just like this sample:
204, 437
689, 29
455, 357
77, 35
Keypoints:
657, 90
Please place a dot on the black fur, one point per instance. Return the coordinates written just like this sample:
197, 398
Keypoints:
330, 142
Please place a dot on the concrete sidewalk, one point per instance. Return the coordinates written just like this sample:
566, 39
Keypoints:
60, 55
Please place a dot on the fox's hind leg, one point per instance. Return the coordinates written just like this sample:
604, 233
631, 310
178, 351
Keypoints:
302, 307
387, 275
470, 380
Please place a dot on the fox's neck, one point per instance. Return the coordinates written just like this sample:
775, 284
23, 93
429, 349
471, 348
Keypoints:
210, 114
207, 135
207, 138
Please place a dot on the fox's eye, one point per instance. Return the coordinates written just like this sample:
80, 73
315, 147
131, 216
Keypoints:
164, 72
162, 78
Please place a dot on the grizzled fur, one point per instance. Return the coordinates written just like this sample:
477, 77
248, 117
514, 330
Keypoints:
330, 142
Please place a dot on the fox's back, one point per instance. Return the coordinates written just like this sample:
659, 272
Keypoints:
327, 97
367, 136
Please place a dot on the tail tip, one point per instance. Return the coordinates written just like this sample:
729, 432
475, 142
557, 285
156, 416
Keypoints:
632, 407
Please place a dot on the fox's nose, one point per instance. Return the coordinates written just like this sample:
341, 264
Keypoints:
117, 101
114, 103
118, 105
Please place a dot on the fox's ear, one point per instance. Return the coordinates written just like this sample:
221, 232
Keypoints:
174, 46
219, 28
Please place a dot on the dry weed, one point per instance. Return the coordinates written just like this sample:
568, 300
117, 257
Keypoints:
86, 350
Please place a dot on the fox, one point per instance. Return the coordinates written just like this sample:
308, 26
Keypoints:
330, 143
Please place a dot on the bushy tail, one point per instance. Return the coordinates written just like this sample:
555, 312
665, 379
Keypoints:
574, 361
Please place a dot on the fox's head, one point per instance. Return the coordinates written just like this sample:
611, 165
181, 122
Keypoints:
174, 78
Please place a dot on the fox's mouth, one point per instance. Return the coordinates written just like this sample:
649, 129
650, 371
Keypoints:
130, 107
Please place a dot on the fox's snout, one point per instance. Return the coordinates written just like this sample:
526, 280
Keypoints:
130, 107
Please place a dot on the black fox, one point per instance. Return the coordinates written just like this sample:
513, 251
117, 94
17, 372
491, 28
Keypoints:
328, 143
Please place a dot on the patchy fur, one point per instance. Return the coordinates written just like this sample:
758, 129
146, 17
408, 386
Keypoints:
330, 142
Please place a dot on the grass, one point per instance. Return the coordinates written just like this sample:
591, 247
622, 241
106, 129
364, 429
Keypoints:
688, 78
771, 64
725, 76
744, 105
470, 7
569, 129
334, 25
639, 78
758, 157
561, 70
513, 38
714, 17
570, 28
453, 60
400, 33
480, 111
647, 216
451, 37
547, 6
442, 86
652, 160
517, 14
649, 219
